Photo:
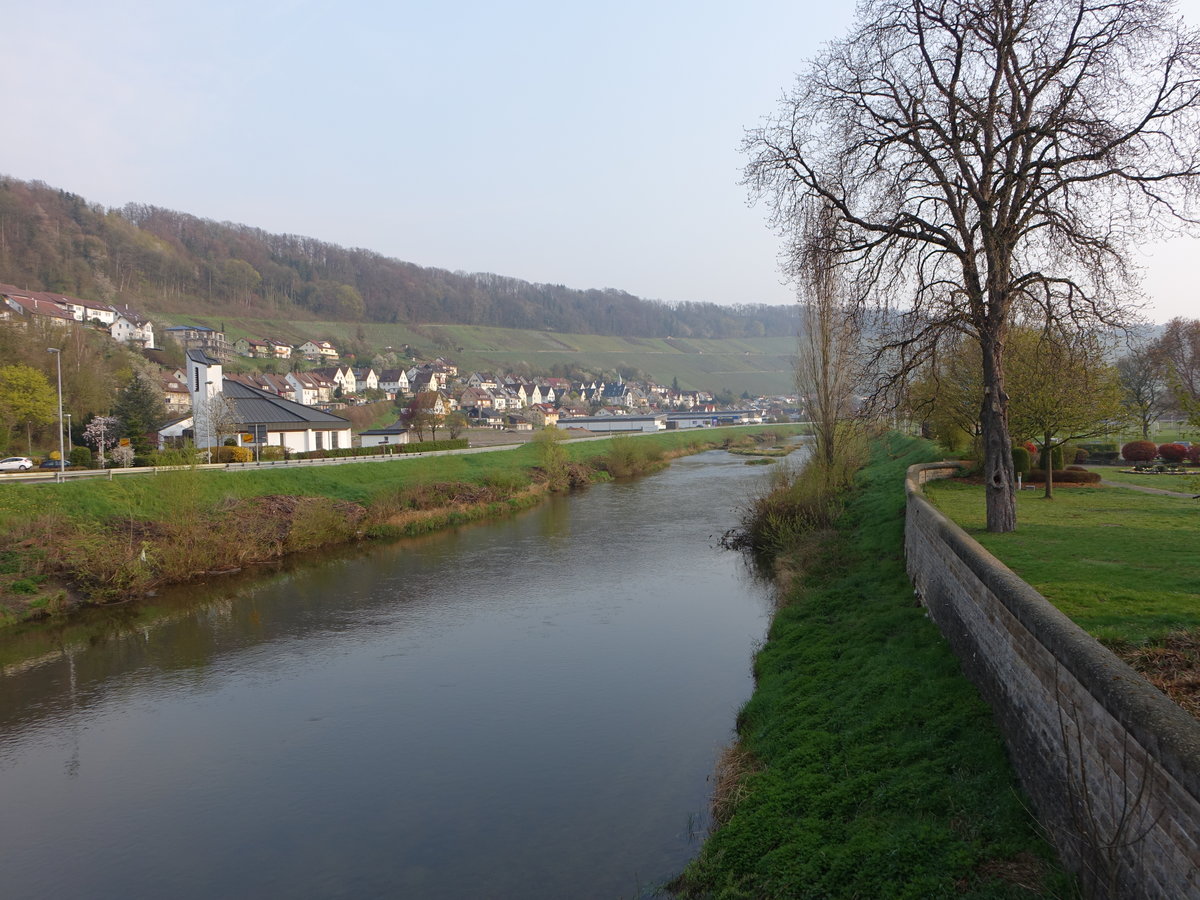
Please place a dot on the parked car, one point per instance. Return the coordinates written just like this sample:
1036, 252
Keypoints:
55, 464
16, 464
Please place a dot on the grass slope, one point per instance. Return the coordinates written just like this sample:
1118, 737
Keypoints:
1122, 564
756, 365
879, 772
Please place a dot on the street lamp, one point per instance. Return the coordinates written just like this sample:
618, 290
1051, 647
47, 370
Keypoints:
70, 440
209, 438
58, 473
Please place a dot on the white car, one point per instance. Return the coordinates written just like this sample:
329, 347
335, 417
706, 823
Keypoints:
16, 464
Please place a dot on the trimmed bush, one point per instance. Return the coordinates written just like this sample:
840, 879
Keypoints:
81, 456
1140, 451
1056, 458
1021, 461
1193, 454
226, 454
390, 449
1173, 452
270, 454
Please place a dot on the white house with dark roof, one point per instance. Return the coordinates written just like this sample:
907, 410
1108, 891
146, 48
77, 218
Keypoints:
396, 433
284, 423
133, 328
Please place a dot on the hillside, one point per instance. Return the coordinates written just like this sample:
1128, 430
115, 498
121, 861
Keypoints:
734, 365
168, 264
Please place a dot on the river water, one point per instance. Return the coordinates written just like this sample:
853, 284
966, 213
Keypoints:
525, 708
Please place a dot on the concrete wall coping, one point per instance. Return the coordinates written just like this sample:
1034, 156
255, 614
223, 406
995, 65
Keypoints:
1157, 723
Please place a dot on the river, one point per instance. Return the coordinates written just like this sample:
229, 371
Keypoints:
524, 708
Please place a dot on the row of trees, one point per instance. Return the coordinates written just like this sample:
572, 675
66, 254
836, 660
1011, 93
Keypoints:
975, 169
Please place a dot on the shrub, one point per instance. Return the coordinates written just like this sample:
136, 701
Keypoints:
270, 453
1173, 452
81, 456
227, 454
1031, 447
1056, 458
1194, 454
1139, 451
1021, 460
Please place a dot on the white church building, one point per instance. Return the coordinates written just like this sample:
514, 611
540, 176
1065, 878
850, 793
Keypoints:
281, 423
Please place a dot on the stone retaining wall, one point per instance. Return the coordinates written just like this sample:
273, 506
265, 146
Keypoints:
1111, 765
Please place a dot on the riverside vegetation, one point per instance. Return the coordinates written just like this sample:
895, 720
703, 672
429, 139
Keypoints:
98, 542
866, 765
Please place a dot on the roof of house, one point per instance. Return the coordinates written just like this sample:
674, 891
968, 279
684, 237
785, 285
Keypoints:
395, 428
252, 406
39, 304
199, 356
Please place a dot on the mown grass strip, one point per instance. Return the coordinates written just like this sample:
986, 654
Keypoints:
1122, 564
874, 769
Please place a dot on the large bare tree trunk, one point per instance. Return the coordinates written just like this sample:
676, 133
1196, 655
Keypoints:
999, 477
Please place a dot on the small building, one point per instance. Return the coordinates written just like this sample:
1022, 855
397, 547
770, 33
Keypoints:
396, 433
610, 423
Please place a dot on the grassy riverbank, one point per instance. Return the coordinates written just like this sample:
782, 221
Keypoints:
866, 765
95, 541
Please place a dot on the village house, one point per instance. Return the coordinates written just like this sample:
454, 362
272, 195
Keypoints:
131, 328
366, 379
176, 396
482, 380
543, 415
475, 397
197, 337
277, 422
311, 388
317, 350
279, 349
394, 382
26, 305
342, 377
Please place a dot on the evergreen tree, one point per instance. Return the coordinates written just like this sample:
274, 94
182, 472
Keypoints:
141, 409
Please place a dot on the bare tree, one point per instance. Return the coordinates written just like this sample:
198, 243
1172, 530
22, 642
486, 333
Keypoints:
1178, 348
1143, 377
828, 357
985, 156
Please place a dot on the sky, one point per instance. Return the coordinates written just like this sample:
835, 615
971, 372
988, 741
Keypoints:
591, 145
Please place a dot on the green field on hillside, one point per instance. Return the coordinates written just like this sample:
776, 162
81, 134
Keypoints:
753, 365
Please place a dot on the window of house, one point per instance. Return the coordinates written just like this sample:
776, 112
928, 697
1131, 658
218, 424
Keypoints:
320, 440
333, 439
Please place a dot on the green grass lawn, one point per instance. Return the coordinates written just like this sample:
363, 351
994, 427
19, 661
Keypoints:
1120, 563
1183, 483
874, 769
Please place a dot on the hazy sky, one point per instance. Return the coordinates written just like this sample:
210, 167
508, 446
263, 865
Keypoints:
593, 145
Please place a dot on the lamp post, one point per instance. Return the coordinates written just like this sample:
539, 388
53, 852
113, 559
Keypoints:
209, 438
57, 351
70, 440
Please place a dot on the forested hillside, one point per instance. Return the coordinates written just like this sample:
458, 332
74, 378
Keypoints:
163, 261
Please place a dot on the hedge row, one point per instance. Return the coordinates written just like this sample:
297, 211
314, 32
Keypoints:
386, 450
1064, 476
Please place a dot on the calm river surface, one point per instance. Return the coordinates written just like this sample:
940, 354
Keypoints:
526, 708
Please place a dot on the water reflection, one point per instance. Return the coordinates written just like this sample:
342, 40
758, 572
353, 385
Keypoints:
527, 708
